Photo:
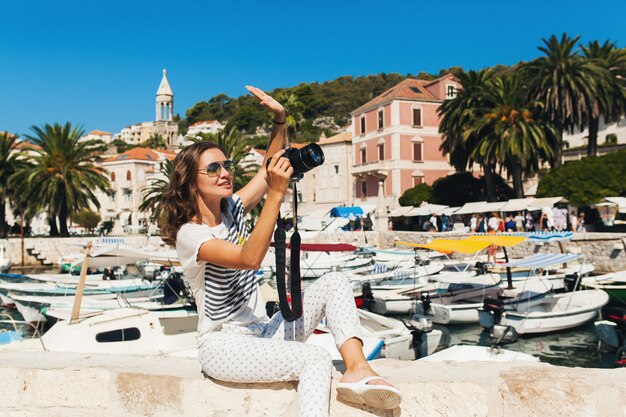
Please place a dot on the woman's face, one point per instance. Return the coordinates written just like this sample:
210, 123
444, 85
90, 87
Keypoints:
218, 186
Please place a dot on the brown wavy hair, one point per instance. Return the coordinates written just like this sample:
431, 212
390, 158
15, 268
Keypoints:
180, 200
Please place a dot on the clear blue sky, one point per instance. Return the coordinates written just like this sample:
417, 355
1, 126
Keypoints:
98, 64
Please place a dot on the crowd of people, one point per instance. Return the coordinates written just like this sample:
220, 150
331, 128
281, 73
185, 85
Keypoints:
547, 219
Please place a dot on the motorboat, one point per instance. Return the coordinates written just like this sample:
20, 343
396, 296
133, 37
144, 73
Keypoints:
614, 284
124, 331
554, 312
466, 353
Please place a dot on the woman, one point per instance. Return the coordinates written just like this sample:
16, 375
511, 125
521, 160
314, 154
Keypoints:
237, 341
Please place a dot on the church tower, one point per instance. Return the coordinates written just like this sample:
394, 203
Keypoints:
164, 101
164, 125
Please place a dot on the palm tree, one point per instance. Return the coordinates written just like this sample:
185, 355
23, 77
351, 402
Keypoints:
566, 83
509, 131
610, 100
457, 115
460, 112
64, 175
11, 161
293, 109
153, 193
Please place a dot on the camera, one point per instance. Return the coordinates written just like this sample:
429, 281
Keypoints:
304, 159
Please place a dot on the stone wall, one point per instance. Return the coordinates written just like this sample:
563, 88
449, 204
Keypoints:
49, 384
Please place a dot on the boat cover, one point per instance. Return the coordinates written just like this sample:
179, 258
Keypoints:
498, 240
543, 260
346, 212
449, 245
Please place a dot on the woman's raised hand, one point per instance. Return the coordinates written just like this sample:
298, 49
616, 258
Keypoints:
279, 171
268, 102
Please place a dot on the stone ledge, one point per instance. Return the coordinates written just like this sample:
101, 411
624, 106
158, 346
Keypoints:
53, 384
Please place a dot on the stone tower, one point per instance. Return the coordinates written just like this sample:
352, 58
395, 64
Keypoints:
164, 101
164, 125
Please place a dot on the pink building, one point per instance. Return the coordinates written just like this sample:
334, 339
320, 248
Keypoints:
396, 140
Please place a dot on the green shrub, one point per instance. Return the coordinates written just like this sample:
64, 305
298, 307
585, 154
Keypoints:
416, 195
586, 181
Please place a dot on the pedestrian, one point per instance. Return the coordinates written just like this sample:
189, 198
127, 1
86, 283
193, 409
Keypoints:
573, 221
519, 222
237, 341
581, 222
473, 223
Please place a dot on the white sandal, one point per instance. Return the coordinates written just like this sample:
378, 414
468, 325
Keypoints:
376, 396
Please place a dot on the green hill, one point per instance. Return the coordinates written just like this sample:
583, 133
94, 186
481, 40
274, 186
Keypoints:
324, 107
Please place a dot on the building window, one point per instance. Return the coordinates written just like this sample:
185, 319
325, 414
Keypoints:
418, 181
362, 125
112, 176
417, 151
417, 117
363, 188
381, 120
128, 176
381, 152
363, 155
336, 169
450, 91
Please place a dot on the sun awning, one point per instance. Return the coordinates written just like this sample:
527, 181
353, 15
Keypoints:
448, 245
539, 203
543, 259
346, 212
516, 204
469, 208
427, 210
494, 206
620, 201
450, 210
498, 240
400, 211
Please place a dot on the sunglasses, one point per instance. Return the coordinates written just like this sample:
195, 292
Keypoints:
213, 169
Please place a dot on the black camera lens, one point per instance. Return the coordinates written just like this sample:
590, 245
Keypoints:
303, 160
307, 158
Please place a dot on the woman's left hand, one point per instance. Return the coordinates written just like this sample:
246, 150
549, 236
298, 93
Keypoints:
268, 102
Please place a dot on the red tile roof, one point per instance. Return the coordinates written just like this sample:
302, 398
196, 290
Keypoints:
136, 154
25, 145
410, 88
339, 138
99, 133
203, 121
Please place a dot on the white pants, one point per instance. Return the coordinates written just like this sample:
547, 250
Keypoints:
274, 351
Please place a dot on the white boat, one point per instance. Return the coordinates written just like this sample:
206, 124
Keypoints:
448, 288
555, 312
97, 289
614, 284
126, 331
463, 312
464, 353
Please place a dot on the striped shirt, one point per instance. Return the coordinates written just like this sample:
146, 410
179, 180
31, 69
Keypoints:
222, 294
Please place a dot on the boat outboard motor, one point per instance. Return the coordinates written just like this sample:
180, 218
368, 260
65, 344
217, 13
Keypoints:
425, 299
492, 311
368, 296
572, 282
420, 326
616, 315
481, 268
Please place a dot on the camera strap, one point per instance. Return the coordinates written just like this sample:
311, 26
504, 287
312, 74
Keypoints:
293, 311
